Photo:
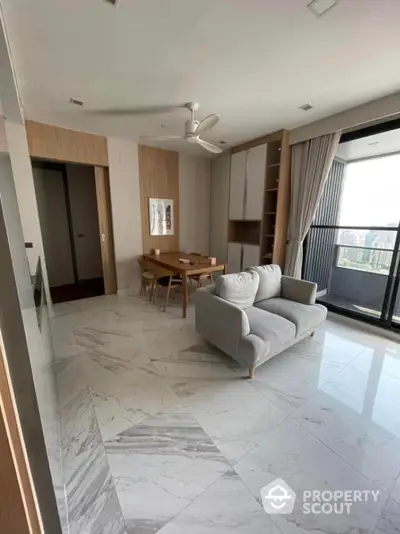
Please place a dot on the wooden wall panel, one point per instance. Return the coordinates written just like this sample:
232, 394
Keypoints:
105, 226
159, 178
60, 144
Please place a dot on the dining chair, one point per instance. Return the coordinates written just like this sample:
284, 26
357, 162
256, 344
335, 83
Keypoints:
200, 277
147, 275
164, 278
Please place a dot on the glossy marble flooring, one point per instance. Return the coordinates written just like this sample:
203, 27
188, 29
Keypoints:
162, 433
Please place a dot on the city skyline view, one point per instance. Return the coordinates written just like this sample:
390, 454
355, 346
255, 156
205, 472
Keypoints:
365, 202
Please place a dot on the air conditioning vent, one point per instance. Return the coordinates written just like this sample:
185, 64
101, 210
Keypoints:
112, 2
306, 107
76, 101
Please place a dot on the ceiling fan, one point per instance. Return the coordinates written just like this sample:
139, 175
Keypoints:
193, 129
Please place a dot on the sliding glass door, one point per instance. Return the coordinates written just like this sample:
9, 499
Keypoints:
353, 247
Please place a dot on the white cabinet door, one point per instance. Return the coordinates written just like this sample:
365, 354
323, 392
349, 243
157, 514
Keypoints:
251, 256
256, 166
234, 253
236, 192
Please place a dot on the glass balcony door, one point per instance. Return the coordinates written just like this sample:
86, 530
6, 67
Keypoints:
352, 249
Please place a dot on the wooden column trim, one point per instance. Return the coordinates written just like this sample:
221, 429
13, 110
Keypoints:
106, 229
17, 496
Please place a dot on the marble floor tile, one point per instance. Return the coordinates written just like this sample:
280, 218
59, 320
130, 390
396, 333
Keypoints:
197, 368
357, 416
291, 378
123, 398
236, 416
225, 507
176, 414
389, 522
395, 493
160, 466
293, 454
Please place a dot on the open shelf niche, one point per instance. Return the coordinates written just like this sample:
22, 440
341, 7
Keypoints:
246, 232
276, 202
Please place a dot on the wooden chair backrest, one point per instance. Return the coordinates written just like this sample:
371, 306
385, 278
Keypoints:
151, 267
144, 265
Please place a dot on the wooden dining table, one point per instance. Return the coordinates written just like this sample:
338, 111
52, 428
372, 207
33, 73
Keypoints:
197, 265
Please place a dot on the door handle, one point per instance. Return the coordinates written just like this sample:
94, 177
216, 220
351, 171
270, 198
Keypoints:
103, 238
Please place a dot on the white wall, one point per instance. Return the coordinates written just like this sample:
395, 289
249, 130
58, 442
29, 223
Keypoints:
85, 221
194, 204
219, 206
125, 204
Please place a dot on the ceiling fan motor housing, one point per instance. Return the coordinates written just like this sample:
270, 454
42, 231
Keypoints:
190, 126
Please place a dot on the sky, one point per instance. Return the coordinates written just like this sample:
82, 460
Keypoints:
371, 193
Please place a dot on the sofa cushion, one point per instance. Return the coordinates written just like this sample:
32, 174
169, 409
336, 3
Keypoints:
304, 316
238, 288
272, 329
270, 281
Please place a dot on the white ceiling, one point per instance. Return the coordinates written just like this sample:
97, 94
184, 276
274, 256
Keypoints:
253, 61
373, 145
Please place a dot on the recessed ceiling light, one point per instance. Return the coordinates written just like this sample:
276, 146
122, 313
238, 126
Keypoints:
319, 7
76, 101
306, 107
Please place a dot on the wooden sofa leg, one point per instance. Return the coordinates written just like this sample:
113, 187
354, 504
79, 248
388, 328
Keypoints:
251, 372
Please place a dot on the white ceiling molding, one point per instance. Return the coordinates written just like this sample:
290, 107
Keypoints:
371, 111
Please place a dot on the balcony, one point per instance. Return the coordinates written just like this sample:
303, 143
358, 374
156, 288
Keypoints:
350, 277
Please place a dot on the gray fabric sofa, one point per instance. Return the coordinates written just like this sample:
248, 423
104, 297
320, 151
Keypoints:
254, 315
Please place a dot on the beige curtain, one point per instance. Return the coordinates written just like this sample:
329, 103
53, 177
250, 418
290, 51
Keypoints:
311, 163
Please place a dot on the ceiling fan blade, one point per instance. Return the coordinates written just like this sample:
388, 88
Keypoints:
160, 137
207, 123
145, 110
208, 146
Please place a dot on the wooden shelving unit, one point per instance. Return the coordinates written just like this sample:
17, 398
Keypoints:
276, 202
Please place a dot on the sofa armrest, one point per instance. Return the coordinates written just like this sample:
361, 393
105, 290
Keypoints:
219, 321
298, 290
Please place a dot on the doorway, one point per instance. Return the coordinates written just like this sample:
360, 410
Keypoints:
67, 197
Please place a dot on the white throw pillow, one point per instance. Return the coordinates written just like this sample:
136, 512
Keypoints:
270, 281
238, 288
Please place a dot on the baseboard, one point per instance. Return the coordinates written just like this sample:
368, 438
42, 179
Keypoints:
365, 327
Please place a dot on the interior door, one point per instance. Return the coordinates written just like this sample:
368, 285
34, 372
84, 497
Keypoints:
236, 191
256, 167
105, 226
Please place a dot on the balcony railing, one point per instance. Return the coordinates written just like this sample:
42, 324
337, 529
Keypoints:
352, 267
368, 259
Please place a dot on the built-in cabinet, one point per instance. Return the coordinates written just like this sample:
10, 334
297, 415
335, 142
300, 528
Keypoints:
259, 202
255, 178
251, 256
237, 186
234, 257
